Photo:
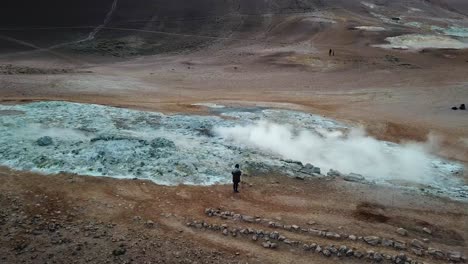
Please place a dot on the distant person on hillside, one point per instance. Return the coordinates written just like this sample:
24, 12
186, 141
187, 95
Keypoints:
330, 52
236, 174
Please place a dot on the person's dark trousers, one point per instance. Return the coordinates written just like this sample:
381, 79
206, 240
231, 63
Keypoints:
235, 186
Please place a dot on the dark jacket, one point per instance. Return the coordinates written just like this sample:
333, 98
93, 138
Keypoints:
236, 174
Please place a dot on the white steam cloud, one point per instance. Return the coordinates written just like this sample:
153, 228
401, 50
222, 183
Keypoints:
351, 152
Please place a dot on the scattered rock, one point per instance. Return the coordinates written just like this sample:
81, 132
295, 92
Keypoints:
455, 256
248, 218
343, 249
400, 258
387, 242
372, 240
315, 232
399, 245
326, 253
354, 177
149, 224
274, 235
436, 253
318, 249
358, 254
334, 173
377, 257
268, 244
427, 230
418, 244
160, 142
44, 141
310, 169
332, 235
119, 251
402, 231
417, 251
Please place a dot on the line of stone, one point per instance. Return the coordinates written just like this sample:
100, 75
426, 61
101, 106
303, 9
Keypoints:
272, 240
417, 246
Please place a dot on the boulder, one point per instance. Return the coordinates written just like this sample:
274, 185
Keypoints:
44, 141
326, 253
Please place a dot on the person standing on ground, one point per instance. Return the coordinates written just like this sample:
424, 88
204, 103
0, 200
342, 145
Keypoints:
236, 174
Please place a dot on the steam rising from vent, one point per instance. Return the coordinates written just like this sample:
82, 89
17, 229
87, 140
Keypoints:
351, 152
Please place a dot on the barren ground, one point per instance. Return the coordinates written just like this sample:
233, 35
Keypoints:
396, 95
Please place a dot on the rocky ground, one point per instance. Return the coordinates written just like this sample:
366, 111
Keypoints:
74, 219
155, 55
